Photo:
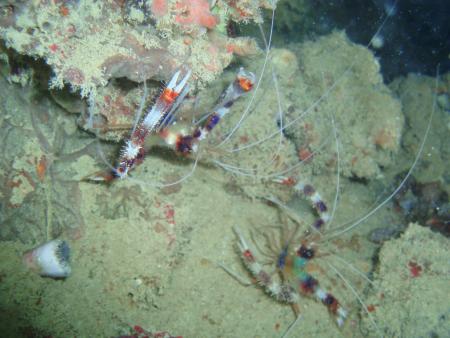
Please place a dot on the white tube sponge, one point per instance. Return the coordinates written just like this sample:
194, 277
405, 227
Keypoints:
50, 259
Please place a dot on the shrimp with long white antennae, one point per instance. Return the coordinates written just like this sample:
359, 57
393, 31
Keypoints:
153, 121
293, 262
161, 115
297, 256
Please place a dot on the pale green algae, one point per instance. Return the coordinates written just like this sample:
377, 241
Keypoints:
88, 45
408, 303
148, 257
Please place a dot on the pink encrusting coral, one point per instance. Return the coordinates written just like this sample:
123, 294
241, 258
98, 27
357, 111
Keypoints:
159, 8
195, 12
86, 44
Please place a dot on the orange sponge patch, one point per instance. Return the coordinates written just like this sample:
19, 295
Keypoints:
195, 12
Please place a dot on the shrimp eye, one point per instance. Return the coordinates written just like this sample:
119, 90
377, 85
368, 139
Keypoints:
304, 252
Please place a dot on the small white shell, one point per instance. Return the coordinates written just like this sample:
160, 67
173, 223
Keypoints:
50, 259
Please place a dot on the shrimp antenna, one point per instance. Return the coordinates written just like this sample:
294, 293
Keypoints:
407, 176
263, 68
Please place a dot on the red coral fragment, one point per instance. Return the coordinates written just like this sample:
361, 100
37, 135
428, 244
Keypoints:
371, 308
415, 269
169, 212
64, 11
304, 154
195, 12
53, 47
138, 329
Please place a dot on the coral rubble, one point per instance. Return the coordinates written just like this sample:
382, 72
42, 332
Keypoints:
86, 44
411, 293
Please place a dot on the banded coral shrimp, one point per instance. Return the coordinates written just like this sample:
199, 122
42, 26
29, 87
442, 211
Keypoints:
247, 181
276, 255
146, 255
382, 140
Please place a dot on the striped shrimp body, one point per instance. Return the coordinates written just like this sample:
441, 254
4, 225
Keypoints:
292, 256
292, 263
160, 118
153, 121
